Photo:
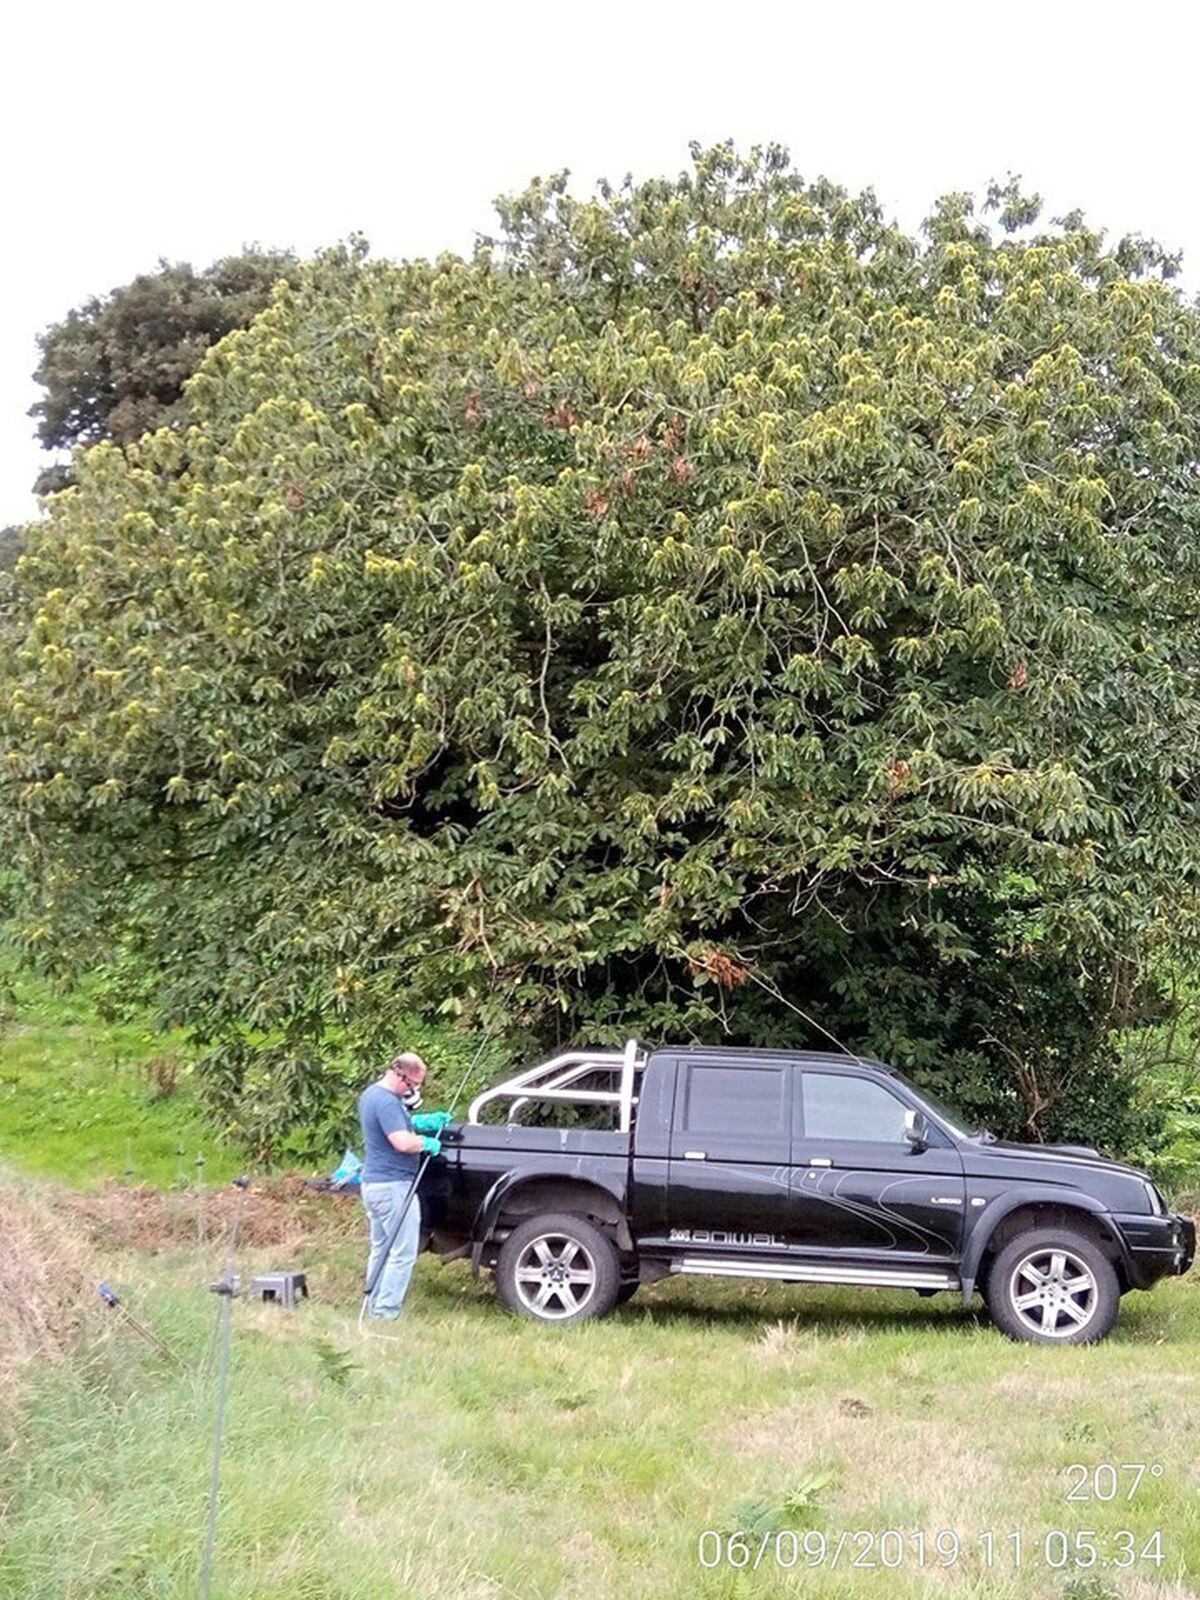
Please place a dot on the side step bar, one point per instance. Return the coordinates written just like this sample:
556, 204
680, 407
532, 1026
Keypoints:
799, 1272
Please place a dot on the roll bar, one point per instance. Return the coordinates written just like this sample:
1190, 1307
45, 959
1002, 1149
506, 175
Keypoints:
552, 1080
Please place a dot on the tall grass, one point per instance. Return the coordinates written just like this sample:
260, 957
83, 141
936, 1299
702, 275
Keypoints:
44, 1299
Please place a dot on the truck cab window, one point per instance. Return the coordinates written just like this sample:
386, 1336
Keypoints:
749, 1100
838, 1106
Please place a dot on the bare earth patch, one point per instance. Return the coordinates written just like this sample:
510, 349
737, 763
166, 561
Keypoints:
281, 1211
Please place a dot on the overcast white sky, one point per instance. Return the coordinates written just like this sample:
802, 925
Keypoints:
133, 131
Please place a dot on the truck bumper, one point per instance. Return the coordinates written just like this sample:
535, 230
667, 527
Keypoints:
1158, 1247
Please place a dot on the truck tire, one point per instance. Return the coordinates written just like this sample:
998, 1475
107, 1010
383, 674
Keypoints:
558, 1268
1053, 1286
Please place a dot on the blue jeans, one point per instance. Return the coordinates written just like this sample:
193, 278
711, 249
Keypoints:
383, 1201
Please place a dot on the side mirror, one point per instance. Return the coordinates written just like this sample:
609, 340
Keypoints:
916, 1131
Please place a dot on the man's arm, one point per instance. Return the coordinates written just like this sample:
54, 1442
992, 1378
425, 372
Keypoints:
408, 1144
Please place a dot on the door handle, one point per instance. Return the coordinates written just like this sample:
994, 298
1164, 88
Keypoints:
820, 1161
695, 1155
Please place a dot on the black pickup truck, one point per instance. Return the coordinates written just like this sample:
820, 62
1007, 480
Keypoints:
793, 1165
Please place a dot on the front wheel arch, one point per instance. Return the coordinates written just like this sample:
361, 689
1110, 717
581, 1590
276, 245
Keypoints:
1027, 1213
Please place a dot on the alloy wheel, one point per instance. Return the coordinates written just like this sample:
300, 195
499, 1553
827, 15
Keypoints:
555, 1276
1053, 1292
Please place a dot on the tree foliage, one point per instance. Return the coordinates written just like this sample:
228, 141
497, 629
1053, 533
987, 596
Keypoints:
115, 367
11, 544
708, 600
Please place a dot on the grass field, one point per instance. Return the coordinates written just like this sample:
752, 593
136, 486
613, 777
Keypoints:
484, 1457
88, 1101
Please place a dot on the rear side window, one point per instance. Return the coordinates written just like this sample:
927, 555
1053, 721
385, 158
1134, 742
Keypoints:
735, 1100
837, 1106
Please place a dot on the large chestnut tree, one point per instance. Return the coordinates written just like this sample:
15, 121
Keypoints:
708, 601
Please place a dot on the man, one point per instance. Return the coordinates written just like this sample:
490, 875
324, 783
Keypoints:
393, 1142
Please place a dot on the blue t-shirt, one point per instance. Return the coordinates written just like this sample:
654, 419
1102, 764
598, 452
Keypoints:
381, 1112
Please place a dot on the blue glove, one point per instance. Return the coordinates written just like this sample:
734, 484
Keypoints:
431, 1121
431, 1145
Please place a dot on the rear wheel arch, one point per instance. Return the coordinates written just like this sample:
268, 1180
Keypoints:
534, 1196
